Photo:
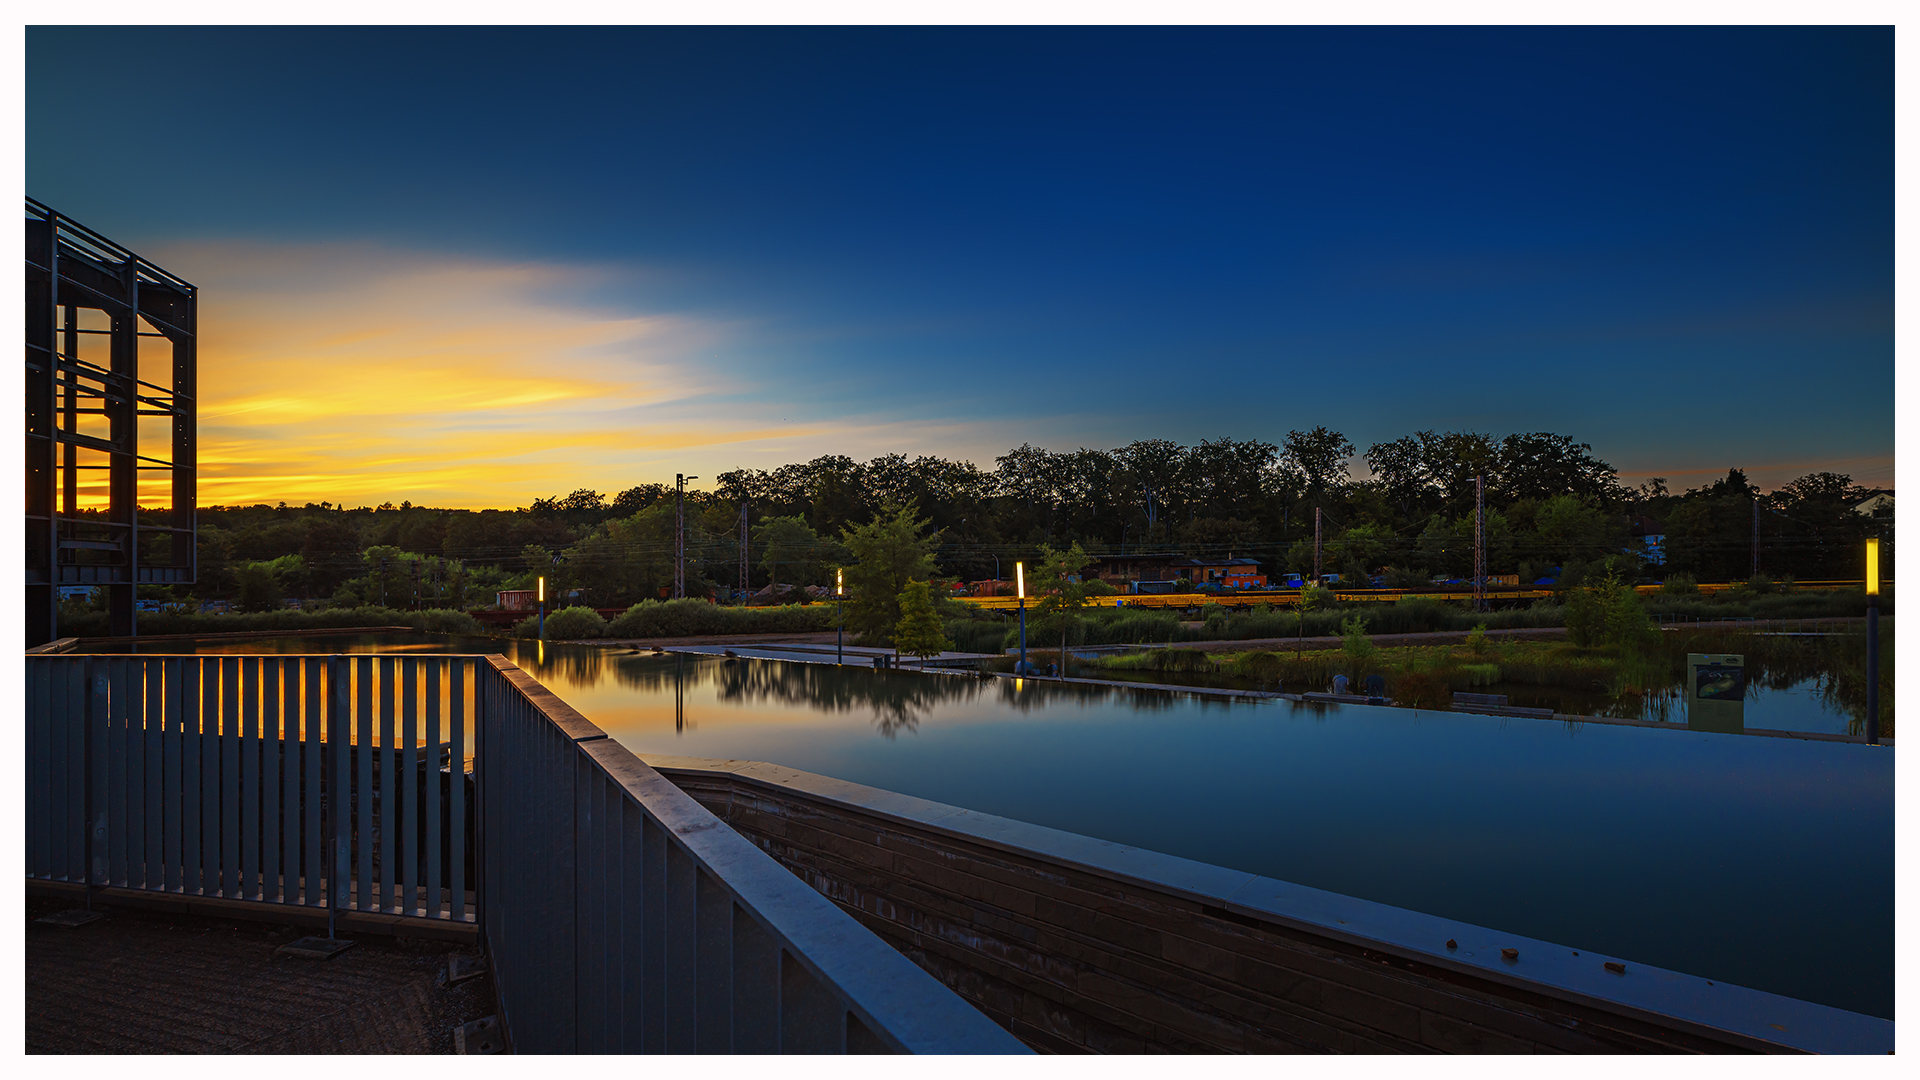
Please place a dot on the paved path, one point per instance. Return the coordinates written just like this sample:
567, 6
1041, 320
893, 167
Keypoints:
139, 982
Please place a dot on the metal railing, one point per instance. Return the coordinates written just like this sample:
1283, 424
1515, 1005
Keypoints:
216, 776
621, 916
618, 915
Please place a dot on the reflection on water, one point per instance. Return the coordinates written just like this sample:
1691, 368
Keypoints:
1759, 861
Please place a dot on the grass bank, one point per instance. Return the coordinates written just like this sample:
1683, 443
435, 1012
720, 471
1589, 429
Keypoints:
1609, 680
996, 631
94, 623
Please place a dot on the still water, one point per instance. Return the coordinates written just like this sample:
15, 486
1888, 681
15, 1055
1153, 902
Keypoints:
1765, 862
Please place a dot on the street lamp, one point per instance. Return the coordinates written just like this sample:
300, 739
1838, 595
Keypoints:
1020, 590
840, 609
542, 597
1873, 642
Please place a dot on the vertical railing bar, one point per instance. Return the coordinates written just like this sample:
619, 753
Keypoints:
406, 846
631, 865
272, 753
291, 757
313, 863
130, 870
587, 945
180, 778
95, 761
363, 802
80, 716
208, 797
683, 943
457, 781
39, 725
59, 731
653, 924
229, 788
384, 786
434, 905
337, 852
713, 964
154, 733
249, 749
117, 731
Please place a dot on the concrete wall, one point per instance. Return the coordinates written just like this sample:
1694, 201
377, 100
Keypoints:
1077, 945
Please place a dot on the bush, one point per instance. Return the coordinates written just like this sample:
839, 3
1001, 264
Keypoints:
569, 624
1679, 585
688, 617
433, 621
1477, 640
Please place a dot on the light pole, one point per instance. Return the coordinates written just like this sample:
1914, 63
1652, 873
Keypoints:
680, 534
1873, 642
1020, 588
840, 610
541, 595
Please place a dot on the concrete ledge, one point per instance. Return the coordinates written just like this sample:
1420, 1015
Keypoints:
1565, 988
360, 922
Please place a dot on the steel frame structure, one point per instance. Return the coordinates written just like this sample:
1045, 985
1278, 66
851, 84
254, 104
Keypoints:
75, 275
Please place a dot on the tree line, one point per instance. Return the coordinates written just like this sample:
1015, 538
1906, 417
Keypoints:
1552, 509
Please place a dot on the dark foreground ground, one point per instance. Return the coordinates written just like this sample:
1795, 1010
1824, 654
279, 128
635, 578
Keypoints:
139, 982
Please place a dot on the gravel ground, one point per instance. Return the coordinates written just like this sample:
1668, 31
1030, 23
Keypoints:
141, 982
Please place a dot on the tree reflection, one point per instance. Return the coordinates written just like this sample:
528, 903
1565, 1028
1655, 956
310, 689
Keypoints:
898, 700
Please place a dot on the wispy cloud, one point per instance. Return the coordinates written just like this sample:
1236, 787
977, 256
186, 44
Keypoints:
354, 373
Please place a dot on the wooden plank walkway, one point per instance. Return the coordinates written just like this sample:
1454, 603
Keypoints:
144, 982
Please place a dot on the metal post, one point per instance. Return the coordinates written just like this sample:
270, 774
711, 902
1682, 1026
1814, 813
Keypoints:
1316, 545
1755, 572
1020, 572
1479, 543
1873, 641
680, 535
1022, 669
744, 539
1873, 670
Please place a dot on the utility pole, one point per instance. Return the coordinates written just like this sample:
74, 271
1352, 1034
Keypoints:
1316, 545
1755, 572
743, 550
1479, 543
680, 535
416, 584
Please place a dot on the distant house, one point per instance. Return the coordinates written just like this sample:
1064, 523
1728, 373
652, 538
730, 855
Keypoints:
1649, 539
1228, 573
1881, 501
517, 600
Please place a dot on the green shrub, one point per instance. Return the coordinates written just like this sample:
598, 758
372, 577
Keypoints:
432, 621
689, 617
1679, 585
574, 623
1477, 640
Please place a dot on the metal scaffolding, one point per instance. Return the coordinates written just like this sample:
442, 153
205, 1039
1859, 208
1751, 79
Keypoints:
95, 311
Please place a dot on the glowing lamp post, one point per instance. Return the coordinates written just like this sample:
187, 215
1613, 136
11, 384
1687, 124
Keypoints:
1020, 589
1873, 642
840, 609
542, 597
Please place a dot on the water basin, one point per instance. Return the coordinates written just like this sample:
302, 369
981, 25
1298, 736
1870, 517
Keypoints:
1766, 862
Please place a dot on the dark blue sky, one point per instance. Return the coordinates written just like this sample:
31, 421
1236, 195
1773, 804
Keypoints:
1676, 244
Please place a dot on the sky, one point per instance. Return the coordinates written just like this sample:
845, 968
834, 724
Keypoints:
475, 267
